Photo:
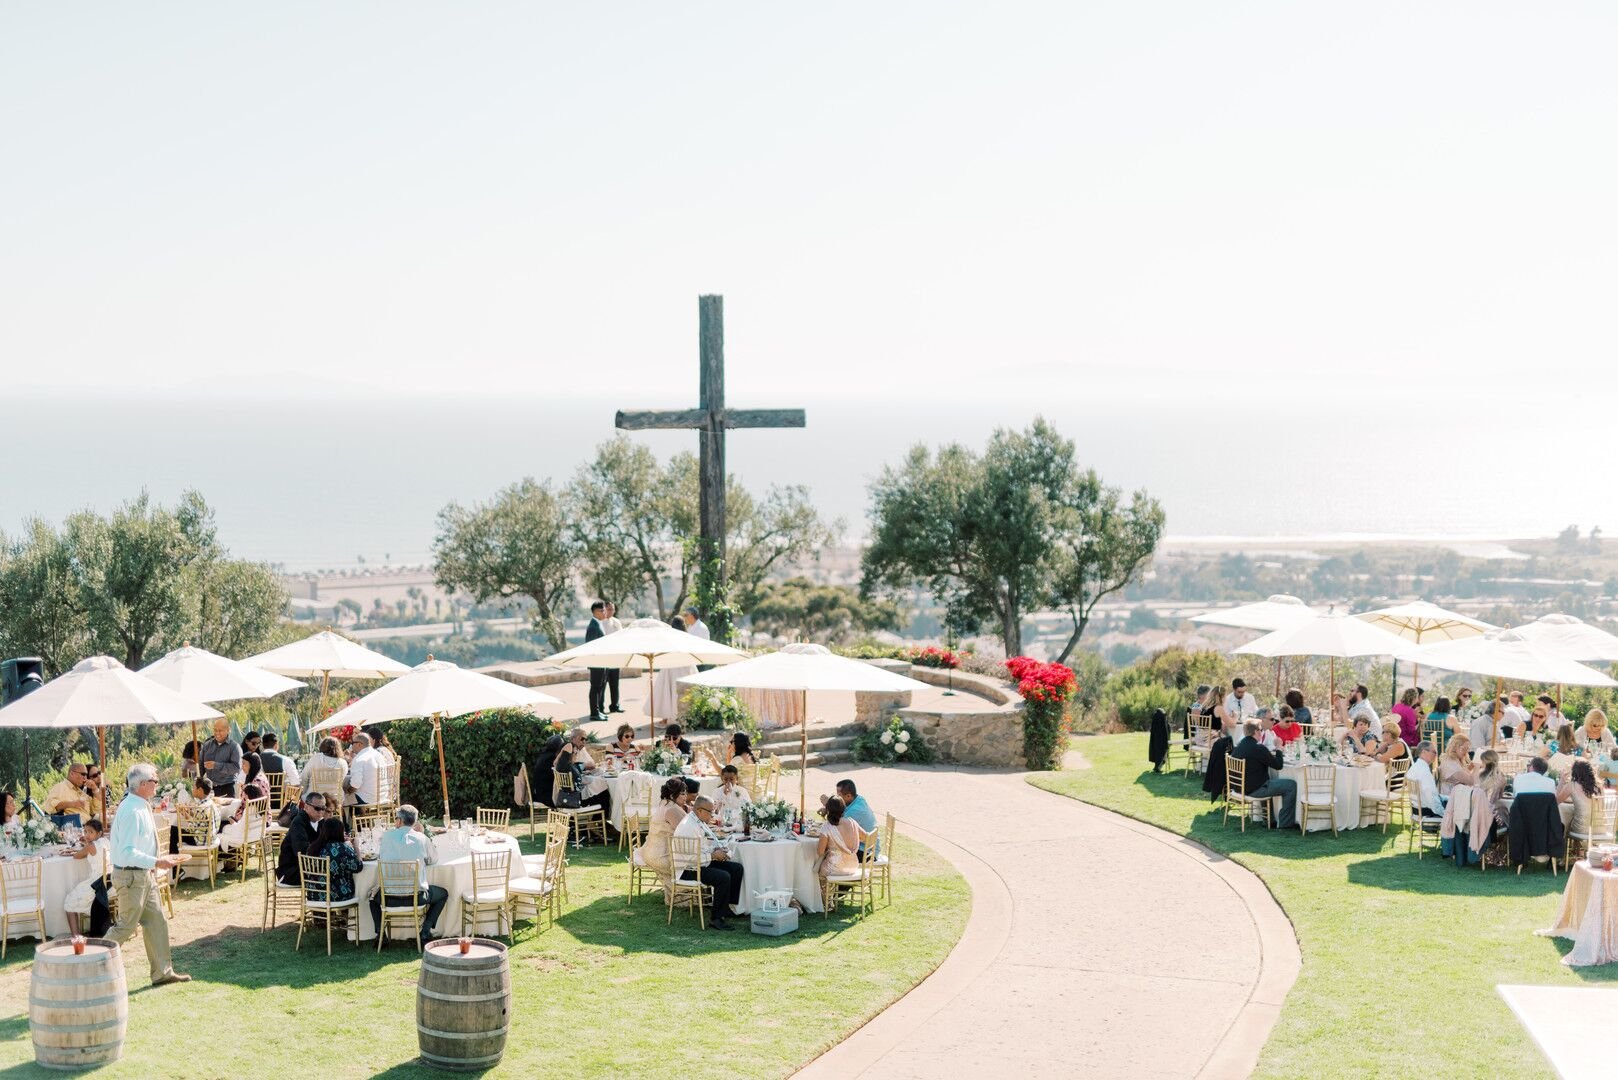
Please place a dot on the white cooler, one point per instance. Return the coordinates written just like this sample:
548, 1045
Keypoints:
775, 923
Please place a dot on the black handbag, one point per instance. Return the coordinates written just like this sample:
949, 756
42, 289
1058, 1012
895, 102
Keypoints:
568, 799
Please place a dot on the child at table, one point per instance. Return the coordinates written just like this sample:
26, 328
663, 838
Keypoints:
88, 899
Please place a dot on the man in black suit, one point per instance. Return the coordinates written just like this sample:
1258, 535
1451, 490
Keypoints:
300, 834
598, 675
1259, 783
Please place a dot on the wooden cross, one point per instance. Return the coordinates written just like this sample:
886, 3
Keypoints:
711, 419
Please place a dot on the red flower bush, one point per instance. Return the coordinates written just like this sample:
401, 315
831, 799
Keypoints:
1039, 681
1046, 689
932, 656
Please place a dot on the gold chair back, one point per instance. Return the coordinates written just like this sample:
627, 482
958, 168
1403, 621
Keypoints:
277, 785
315, 873
491, 870
329, 782
372, 817
400, 878
489, 818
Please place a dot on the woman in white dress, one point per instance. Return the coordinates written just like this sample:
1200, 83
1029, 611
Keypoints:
666, 688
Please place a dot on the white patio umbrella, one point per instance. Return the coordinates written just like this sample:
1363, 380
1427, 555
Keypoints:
1423, 623
329, 656
101, 693
1571, 637
644, 644
1274, 613
204, 676
1332, 636
804, 667
1507, 654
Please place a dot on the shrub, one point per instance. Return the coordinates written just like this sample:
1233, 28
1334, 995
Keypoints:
1046, 690
868, 650
710, 708
897, 742
1133, 695
482, 751
932, 657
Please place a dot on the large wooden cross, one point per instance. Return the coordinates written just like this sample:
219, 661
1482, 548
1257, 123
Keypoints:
711, 419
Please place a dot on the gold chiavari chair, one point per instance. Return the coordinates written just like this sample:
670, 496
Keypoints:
277, 785
275, 895
882, 865
1600, 829
315, 873
634, 829
684, 879
582, 820
165, 889
198, 837
372, 817
859, 883
1421, 837
775, 776
490, 895
537, 895
1319, 796
533, 800
1384, 802
1202, 737
400, 881
1236, 794
329, 782
255, 837
22, 900
499, 820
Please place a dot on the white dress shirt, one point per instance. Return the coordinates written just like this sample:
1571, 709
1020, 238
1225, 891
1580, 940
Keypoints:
700, 629
365, 775
732, 800
694, 827
1241, 708
1421, 775
1529, 782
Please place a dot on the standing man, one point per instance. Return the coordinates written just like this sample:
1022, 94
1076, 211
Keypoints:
612, 626
221, 759
274, 761
135, 862
1240, 705
598, 675
697, 628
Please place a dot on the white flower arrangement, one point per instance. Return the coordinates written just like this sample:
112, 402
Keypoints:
768, 813
661, 761
902, 746
32, 835
887, 738
1320, 747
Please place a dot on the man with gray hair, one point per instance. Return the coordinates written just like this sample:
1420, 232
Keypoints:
409, 844
135, 865
715, 869
365, 772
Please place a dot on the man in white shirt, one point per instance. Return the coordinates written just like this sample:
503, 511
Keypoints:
731, 796
694, 624
1240, 706
1533, 780
365, 772
1516, 717
408, 843
1425, 783
1266, 723
612, 625
717, 871
1359, 704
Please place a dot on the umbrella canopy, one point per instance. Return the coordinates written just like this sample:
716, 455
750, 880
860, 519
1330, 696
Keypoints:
1274, 613
1424, 623
1506, 654
805, 667
1573, 638
647, 643
434, 687
100, 692
204, 676
328, 655
1328, 635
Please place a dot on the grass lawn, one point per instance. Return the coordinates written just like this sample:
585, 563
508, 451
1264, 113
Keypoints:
608, 991
1400, 957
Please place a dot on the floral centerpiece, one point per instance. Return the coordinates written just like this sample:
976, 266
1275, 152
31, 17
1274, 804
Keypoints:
1320, 747
895, 741
932, 656
1046, 690
769, 813
175, 792
710, 708
659, 760
31, 835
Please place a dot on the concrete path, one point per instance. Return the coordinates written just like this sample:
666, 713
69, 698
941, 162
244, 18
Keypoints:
1097, 946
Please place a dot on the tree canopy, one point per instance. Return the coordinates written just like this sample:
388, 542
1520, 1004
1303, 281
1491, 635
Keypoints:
799, 609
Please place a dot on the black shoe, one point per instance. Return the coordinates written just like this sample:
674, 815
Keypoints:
615, 709
719, 924
597, 718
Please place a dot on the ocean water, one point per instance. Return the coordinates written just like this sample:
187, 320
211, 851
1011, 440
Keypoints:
317, 484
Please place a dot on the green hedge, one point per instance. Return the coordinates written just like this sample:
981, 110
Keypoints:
481, 755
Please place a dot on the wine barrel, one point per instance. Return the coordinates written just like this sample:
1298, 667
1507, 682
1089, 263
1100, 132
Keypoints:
78, 1007
463, 1004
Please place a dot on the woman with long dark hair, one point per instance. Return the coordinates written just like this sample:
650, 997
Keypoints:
740, 750
1581, 790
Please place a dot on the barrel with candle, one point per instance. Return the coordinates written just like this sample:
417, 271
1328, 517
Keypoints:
463, 1004
78, 1006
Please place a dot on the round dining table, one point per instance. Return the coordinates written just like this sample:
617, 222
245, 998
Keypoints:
787, 862
1347, 783
1589, 916
451, 868
58, 874
633, 788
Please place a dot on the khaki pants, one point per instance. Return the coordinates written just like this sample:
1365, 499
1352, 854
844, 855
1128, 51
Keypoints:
139, 905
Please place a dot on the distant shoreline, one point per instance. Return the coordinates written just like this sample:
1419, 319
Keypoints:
1479, 547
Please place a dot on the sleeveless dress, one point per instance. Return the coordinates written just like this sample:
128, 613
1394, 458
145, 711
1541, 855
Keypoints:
841, 848
654, 850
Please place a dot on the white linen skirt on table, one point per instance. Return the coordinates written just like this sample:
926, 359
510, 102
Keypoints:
780, 864
1348, 782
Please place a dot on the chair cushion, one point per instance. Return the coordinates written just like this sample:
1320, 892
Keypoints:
1317, 800
490, 897
331, 905
842, 878
24, 905
529, 886
1375, 795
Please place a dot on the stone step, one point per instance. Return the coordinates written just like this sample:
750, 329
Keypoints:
785, 750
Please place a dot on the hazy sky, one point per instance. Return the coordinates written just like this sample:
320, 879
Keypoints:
979, 201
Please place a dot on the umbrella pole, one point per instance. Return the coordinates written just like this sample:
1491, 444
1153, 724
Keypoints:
325, 684
1278, 678
651, 690
101, 744
1494, 729
1393, 695
803, 759
443, 774
1331, 698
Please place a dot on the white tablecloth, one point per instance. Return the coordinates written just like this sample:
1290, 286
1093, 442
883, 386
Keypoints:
631, 787
1350, 781
1589, 916
57, 877
451, 868
779, 864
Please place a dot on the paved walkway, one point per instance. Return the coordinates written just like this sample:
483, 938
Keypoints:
1097, 946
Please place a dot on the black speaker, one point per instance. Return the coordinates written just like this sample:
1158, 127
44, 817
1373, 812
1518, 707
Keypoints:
20, 676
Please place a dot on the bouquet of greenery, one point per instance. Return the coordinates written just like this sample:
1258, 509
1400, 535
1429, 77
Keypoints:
659, 760
31, 835
768, 813
898, 741
709, 708
1320, 747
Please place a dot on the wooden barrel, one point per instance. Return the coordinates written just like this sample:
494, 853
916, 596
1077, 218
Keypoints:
463, 1004
78, 1007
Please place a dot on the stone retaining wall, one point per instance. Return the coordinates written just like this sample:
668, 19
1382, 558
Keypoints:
990, 737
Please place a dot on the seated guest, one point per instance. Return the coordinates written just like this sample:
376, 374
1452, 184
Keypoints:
8, 808
670, 811
1514, 718
1266, 729
254, 785
1485, 726
1259, 783
1300, 711
673, 739
72, 801
1553, 712
367, 772
274, 761
1533, 780
578, 753
1565, 741
345, 861
1239, 704
840, 842
1493, 782
1213, 773
1580, 790
544, 771
1359, 739
1538, 722
1593, 736
188, 757
1287, 729
740, 750
328, 756
1392, 747
716, 871
408, 843
854, 806
1421, 780
1456, 768
300, 834
87, 902
1359, 704
623, 746
731, 796
1443, 719
574, 760
1409, 719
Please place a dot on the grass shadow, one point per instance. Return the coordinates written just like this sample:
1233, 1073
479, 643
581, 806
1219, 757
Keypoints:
641, 928
1437, 876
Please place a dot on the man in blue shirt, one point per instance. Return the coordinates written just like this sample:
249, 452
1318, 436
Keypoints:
135, 862
856, 808
408, 843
